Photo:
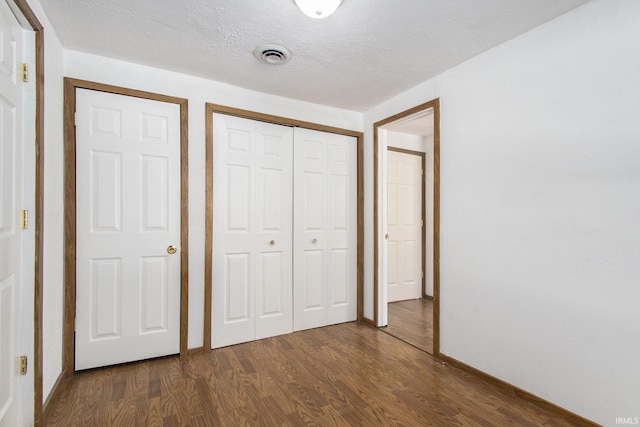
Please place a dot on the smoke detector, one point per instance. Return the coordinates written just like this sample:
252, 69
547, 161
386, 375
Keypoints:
272, 54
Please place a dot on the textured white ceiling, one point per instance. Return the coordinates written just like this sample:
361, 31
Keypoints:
367, 52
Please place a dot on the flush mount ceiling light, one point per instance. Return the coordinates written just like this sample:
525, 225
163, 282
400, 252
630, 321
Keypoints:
317, 8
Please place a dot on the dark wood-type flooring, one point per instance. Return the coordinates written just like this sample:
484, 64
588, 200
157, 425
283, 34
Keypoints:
412, 322
343, 375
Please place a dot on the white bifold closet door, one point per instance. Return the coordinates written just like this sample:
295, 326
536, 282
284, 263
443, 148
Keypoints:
252, 240
325, 229
284, 230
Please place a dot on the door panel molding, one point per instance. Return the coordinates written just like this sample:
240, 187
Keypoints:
210, 109
70, 87
435, 104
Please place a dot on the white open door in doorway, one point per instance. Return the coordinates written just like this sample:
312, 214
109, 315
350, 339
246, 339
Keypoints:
13, 188
404, 226
128, 229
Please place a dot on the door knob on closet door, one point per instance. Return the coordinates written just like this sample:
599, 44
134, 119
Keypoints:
171, 249
314, 241
273, 242
386, 236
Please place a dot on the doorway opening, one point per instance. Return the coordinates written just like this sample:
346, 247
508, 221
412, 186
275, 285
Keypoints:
406, 217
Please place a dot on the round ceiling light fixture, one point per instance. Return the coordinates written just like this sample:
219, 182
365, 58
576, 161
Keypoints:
318, 8
272, 54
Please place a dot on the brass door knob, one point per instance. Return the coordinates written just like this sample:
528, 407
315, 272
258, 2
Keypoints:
386, 236
273, 242
314, 241
171, 249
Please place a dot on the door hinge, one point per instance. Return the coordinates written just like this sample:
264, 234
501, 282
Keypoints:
422, 274
23, 365
421, 171
24, 219
75, 119
75, 325
421, 223
25, 72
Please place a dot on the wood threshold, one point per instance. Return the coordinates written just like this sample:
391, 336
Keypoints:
210, 109
195, 350
70, 86
575, 419
369, 322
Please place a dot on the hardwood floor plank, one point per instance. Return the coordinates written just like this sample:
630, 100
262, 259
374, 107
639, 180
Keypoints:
123, 413
349, 374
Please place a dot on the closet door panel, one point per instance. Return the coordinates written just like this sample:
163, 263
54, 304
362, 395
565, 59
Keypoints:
274, 199
251, 289
233, 275
324, 229
342, 229
310, 195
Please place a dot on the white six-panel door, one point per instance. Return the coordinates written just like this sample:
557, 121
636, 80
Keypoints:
252, 277
128, 214
325, 229
11, 236
404, 226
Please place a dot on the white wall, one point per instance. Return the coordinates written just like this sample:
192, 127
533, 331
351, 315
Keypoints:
540, 206
199, 91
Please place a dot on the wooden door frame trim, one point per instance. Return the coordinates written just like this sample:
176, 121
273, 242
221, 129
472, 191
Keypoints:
435, 104
38, 29
210, 109
70, 86
423, 212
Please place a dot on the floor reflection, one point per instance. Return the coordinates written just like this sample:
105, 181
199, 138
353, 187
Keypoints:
412, 322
